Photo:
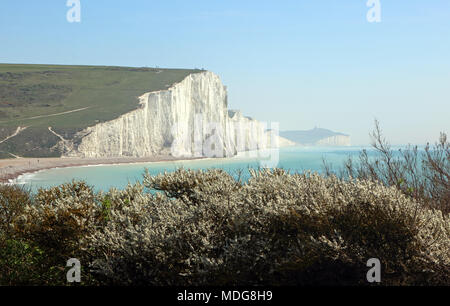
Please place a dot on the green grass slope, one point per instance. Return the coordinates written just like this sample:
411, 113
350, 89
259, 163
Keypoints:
69, 99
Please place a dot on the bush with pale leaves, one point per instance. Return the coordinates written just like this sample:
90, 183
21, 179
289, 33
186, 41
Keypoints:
204, 228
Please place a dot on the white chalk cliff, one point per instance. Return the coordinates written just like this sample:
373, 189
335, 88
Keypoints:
338, 140
188, 119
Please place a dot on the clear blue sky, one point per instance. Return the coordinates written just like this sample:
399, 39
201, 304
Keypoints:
301, 63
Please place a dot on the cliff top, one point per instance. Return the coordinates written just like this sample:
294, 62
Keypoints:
70, 98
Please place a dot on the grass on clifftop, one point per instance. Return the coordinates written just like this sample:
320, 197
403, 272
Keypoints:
89, 95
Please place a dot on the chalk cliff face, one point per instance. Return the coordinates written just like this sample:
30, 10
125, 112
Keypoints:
189, 119
317, 137
247, 134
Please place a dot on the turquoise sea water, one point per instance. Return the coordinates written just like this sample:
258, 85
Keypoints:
103, 177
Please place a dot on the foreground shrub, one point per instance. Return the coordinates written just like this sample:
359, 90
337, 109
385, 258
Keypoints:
61, 217
13, 200
22, 263
16, 256
204, 228
56, 224
421, 175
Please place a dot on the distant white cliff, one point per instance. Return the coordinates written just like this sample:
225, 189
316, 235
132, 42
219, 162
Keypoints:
317, 137
339, 140
188, 119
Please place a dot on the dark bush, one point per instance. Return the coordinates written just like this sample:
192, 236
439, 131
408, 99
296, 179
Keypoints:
43, 233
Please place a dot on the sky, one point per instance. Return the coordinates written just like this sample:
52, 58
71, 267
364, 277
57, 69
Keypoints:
302, 63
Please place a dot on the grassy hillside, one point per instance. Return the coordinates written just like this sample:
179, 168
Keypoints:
69, 99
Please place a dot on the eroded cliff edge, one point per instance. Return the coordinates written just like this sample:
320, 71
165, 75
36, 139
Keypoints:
191, 118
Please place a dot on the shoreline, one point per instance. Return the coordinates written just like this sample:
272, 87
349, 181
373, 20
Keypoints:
11, 169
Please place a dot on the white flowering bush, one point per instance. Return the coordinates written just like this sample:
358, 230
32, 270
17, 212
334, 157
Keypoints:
55, 224
205, 228
60, 218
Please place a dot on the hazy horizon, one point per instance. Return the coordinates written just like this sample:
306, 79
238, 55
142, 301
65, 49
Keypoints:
300, 63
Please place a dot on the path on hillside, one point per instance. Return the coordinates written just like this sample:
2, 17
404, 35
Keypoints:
51, 115
65, 142
56, 134
17, 132
13, 155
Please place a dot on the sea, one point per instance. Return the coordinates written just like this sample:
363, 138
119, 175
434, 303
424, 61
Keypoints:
105, 177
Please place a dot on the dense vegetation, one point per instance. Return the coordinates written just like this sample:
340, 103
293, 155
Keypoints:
208, 228
38, 96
